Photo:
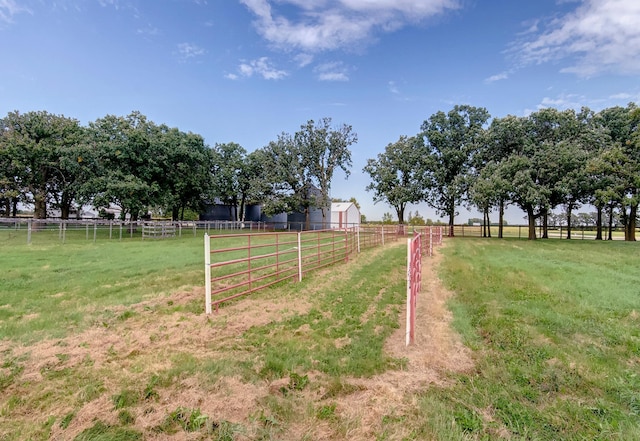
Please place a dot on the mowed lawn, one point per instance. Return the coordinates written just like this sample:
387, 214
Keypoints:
554, 329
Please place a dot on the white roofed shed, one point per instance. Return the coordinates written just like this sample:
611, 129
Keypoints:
344, 215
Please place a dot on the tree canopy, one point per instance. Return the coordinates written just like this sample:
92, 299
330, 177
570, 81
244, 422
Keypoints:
397, 176
549, 159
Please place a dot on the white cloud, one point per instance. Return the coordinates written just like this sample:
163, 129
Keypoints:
9, 8
497, 77
563, 101
188, 50
114, 3
262, 67
622, 96
319, 25
333, 71
148, 31
599, 36
393, 88
333, 76
303, 59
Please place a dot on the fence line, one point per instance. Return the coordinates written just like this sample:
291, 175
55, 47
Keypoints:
580, 232
105, 229
247, 262
430, 236
238, 264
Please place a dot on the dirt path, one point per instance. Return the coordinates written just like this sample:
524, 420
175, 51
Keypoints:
437, 352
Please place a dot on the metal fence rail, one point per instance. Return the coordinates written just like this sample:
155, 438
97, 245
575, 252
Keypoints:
430, 237
242, 263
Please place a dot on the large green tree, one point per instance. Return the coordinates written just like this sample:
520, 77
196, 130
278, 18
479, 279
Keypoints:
397, 175
33, 144
617, 167
132, 164
551, 133
451, 140
11, 191
288, 180
575, 185
492, 186
251, 182
228, 163
187, 179
323, 149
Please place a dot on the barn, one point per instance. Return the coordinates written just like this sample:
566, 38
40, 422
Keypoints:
344, 215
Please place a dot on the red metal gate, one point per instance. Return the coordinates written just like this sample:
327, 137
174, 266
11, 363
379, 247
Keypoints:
239, 264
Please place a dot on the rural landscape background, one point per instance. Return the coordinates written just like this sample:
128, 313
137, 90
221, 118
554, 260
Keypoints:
476, 115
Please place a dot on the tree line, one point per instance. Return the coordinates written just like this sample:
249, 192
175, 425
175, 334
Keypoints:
52, 161
547, 159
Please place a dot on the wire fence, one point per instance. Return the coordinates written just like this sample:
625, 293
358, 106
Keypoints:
580, 232
28, 230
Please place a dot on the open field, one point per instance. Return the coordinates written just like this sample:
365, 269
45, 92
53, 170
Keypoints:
109, 341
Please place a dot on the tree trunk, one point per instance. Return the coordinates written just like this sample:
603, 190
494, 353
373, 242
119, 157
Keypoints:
307, 218
484, 221
569, 221
133, 222
66, 200
545, 223
599, 222
175, 213
451, 219
610, 237
501, 221
243, 199
64, 211
15, 207
400, 213
630, 234
532, 223
40, 200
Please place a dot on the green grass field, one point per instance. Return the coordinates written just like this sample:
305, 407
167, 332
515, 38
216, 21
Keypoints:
66, 287
555, 326
109, 341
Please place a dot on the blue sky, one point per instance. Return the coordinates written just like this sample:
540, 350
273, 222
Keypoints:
247, 70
